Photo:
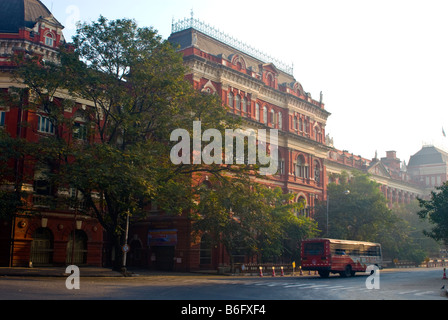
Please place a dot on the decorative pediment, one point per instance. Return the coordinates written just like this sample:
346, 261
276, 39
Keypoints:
209, 87
270, 67
51, 21
238, 61
378, 169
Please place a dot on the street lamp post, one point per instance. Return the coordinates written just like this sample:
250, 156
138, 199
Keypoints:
125, 247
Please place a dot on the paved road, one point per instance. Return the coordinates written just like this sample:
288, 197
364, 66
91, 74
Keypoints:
401, 284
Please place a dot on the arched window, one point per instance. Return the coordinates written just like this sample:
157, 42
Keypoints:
245, 105
49, 39
257, 112
77, 250
270, 80
237, 102
272, 118
280, 121
301, 167
294, 122
230, 98
42, 247
80, 127
302, 210
300, 124
317, 172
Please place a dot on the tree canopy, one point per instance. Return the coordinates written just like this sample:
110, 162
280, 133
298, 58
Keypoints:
435, 210
251, 219
113, 98
357, 210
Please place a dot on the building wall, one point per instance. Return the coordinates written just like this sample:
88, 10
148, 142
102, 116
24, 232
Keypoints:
269, 99
42, 222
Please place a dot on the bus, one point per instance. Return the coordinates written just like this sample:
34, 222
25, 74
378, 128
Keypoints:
339, 256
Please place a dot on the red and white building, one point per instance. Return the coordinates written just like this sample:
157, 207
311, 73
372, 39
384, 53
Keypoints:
47, 231
256, 87
264, 92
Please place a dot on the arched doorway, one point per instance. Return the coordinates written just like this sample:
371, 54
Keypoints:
42, 247
78, 256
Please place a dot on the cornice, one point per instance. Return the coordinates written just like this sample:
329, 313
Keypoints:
226, 74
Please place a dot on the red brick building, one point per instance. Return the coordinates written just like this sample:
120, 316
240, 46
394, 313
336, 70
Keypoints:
47, 229
394, 180
258, 88
263, 91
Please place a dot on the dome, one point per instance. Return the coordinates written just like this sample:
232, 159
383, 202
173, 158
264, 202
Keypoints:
428, 155
17, 14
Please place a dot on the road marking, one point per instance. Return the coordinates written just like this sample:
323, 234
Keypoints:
297, 285
344, 288
407, 292
319, 286
422, 293
335, 287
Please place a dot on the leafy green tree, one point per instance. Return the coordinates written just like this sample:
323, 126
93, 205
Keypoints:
435, 210
357, 210
415, 246
251, 219
10, 182
119, 159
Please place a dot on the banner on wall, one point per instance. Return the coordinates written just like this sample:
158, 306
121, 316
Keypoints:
162, 238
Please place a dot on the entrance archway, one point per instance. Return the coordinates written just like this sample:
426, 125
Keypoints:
42, 247
79, 256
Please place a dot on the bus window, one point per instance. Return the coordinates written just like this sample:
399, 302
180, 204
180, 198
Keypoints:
314, 249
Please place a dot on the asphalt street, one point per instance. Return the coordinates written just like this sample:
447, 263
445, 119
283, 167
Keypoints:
391, 284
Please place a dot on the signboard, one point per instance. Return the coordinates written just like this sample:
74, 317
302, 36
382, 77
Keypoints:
162, 238
125, 248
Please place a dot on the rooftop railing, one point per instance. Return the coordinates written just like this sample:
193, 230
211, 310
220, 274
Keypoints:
211, 31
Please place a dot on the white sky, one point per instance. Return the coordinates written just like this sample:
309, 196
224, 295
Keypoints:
382, 65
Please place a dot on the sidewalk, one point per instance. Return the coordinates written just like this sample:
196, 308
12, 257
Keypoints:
108, 272
57, 272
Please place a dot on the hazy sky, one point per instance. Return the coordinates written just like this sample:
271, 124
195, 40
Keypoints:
382, 65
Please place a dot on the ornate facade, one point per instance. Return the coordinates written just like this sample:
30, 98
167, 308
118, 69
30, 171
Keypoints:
47, 231
252, 85
263, 92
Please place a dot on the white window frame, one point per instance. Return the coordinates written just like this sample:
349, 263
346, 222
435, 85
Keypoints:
2, 118
44, 125
49, 39
80, 131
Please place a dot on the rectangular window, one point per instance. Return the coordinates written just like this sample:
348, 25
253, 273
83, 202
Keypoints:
2, 118
281, 166
314, 249
45, 125
49, 41
80, 131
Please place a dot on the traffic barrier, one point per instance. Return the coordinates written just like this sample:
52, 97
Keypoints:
273, 271
282, 274
253, 269
261, 272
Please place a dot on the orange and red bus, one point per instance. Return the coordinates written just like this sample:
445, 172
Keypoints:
339, 256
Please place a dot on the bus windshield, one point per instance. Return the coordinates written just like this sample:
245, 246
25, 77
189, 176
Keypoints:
314, 249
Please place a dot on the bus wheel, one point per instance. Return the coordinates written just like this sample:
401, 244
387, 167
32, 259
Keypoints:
324, 274
347, 272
